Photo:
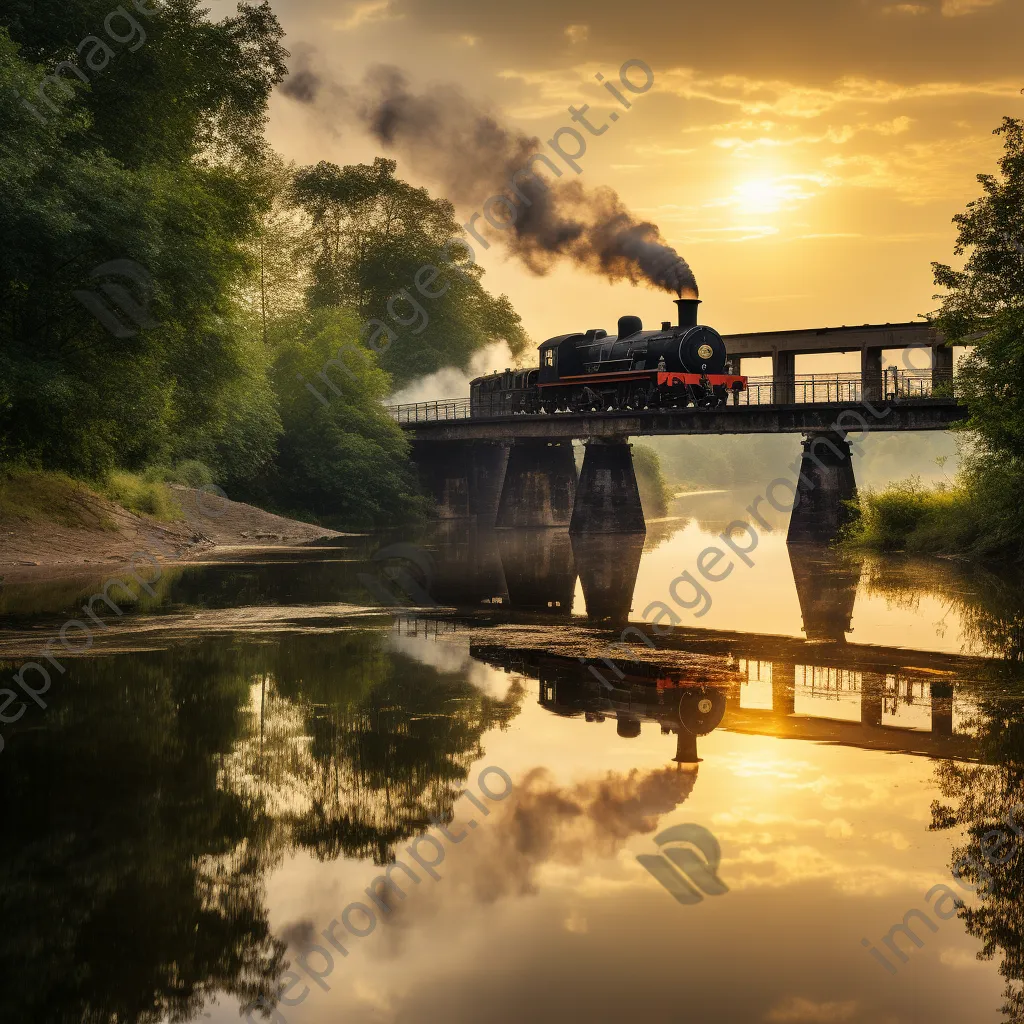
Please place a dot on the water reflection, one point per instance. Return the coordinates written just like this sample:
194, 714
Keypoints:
145, 810
826, 587
168, 813
608, 565
540, 574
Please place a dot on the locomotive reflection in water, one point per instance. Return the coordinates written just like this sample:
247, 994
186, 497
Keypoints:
671, 368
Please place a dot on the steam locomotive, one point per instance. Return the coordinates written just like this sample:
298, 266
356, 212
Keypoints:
636, 369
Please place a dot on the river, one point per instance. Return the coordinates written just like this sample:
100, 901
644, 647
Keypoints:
800, 805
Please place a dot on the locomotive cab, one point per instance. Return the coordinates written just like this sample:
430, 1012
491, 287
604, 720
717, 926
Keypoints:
559, 358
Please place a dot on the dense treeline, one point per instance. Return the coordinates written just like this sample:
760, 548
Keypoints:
983, 307
131, 139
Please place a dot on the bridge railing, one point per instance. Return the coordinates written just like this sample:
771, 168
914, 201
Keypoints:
892, 383
429, 412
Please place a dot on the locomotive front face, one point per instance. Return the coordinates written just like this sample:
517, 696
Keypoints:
701, 350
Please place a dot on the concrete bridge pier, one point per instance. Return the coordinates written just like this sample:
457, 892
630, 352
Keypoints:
783, 377
872, 698
463, 477
607, 497
825, 485
783, 688
539, 487
942, 709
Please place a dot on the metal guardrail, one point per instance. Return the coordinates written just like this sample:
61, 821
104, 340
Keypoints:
429, 412
891, 384
834, 388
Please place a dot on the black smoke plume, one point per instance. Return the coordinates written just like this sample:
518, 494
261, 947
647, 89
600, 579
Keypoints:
450, 138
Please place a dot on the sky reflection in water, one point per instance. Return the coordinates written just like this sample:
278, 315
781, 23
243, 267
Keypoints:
183, 819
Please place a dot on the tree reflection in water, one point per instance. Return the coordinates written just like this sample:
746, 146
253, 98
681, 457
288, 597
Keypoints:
145, 810
983, 799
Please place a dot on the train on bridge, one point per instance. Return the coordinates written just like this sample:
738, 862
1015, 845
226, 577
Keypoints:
672, 368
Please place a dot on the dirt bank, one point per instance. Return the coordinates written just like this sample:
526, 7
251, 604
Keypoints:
88, 530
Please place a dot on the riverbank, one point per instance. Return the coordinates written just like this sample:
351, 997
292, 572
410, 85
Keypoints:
51, 525
977, 516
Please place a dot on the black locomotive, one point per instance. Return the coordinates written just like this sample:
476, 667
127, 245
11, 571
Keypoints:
635, 369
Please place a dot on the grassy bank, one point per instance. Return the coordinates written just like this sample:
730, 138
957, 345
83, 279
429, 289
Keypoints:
979, 516
42, 496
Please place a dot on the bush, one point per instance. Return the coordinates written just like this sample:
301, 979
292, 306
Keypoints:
188, 473
141, 496
655, 493
958, 519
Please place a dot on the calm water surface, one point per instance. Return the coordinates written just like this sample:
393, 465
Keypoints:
723, 822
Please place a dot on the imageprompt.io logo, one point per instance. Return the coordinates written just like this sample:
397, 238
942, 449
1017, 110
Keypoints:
410, 591
131, 309
688, 863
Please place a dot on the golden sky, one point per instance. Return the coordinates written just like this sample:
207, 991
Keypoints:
805, 156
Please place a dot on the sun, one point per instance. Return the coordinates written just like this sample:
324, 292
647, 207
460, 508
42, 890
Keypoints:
765, 196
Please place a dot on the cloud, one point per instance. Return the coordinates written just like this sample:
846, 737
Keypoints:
564, 825
797, 1010
959, 8
961, 959
362, 14
577, 33
792, 100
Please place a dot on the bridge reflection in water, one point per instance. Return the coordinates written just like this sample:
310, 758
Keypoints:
689, 681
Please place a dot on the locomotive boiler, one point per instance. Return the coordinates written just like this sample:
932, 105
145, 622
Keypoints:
671, 368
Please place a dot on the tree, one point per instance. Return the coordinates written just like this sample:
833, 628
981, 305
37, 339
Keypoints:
369, 235
984, 307
341, 455
165, 196
280, 276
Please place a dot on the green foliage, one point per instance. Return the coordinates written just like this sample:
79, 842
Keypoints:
347, 460
258, 272
29, 495
903, 515
370, 235
655, 493
984, 308
141, 496
978, 515
189, 473
74, 396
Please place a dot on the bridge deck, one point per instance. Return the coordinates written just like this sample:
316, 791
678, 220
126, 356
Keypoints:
894, 400
913, 414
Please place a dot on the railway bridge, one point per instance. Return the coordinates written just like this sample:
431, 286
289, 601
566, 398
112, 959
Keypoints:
518, 471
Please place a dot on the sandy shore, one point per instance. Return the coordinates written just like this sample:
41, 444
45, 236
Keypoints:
110, 535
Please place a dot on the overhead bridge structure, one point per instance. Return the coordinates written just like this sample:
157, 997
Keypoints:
517, 470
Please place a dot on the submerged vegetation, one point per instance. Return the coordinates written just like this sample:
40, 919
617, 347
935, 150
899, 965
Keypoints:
982, 513
165, 276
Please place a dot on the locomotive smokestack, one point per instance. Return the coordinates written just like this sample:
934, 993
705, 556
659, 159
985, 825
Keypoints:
687, 312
